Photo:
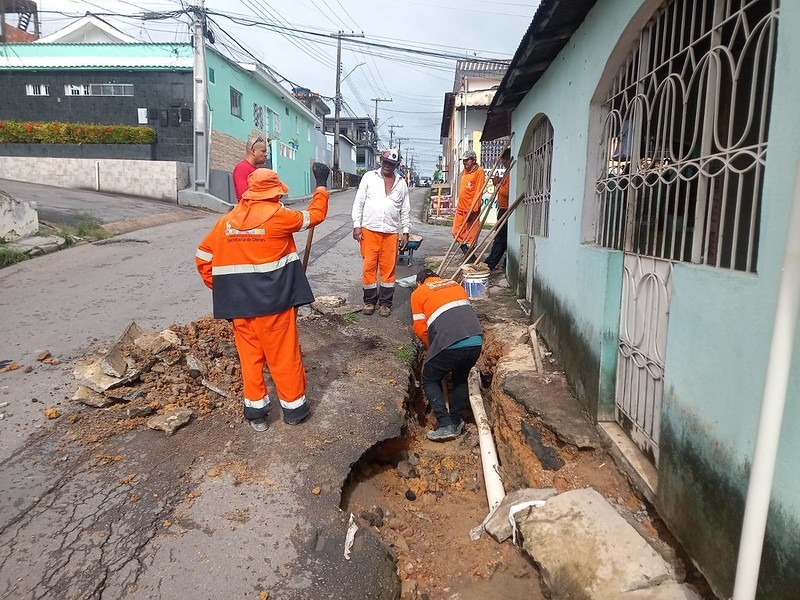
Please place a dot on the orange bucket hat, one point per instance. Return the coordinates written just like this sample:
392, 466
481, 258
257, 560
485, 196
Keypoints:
263, 184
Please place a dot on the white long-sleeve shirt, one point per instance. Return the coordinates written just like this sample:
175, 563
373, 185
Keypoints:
376, 210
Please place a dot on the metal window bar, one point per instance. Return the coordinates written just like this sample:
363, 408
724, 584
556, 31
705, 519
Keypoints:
685, 135
538, 162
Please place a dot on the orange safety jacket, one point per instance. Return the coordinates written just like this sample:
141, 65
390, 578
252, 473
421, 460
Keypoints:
471, 185
502, 193
442, 314
250, 261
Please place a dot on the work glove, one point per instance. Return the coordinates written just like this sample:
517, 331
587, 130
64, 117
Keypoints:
321, 172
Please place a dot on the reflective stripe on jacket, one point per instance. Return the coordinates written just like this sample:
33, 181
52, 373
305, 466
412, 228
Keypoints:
250, 261
442, 314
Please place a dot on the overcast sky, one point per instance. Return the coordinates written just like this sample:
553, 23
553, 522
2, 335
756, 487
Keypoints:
415, 83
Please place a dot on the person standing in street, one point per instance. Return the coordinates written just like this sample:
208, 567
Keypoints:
256, 155
472, 181
250, 262
500, 243
447, 325
381, 208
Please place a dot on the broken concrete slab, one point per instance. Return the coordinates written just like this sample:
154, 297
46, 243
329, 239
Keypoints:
156, 343
585, 549
666, 591
91, 375
113, 363
333, 305
89, 397
549, 397
171, 420
132, 331
497, 524
37, 245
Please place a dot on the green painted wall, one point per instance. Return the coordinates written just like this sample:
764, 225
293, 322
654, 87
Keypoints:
297, 126
720, 321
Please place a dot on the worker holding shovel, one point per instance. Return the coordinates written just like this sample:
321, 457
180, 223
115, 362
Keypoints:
250, 262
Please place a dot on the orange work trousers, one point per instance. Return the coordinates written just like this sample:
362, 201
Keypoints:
379, 251
271, 340
470, 231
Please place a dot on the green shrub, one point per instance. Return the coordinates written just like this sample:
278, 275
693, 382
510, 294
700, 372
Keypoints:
31, 132
11, 256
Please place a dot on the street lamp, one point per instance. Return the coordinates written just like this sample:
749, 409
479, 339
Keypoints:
351, 71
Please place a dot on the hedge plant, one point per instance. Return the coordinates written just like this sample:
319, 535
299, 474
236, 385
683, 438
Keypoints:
32, 132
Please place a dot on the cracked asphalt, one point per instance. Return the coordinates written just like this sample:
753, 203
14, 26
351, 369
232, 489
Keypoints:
216, 510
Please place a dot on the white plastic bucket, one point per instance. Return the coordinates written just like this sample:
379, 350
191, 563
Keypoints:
477, 284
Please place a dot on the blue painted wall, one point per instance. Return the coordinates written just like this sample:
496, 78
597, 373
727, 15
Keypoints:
720, 321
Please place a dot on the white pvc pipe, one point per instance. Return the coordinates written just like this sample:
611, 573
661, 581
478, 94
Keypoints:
779, 366
491, 478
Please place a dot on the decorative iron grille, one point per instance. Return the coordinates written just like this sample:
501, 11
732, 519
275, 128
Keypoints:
685, 135
538, 167
490, 152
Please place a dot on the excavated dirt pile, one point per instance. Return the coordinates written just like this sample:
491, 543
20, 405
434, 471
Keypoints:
147, 377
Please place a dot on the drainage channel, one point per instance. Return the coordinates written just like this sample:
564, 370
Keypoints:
422, 498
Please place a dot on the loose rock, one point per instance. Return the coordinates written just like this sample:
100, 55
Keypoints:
89, 397
170, 421
406, 470
43, 355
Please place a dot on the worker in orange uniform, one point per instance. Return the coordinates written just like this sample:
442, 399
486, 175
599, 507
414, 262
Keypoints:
250, 262
500, 179
472, 181
256, 155
449, 328
381, 207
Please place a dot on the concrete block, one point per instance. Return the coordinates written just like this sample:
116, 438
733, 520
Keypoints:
497, 525
585, 549
170, 421
18, 219
201, 200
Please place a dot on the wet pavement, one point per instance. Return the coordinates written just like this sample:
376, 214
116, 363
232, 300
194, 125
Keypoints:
216, 510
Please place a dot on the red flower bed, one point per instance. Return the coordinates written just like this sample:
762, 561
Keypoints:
17, 132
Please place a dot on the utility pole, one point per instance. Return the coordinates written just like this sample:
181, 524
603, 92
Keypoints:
375, 100
391, 133
199, 74
338, 102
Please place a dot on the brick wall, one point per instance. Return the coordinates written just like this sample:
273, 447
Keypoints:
152, 179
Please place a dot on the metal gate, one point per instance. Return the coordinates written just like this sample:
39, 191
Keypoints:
646, 284
538, 165
681, 172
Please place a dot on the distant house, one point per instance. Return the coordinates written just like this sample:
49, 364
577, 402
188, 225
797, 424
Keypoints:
347, 153
658, 145
361, 130
92, 72
464, 114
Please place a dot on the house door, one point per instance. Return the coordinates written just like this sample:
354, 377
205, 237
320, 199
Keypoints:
643, 324
537, 164
680, 174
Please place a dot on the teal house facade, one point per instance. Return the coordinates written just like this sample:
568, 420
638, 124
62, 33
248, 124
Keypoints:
244, 100
658, 148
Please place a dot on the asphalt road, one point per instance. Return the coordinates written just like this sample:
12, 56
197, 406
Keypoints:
67, 530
